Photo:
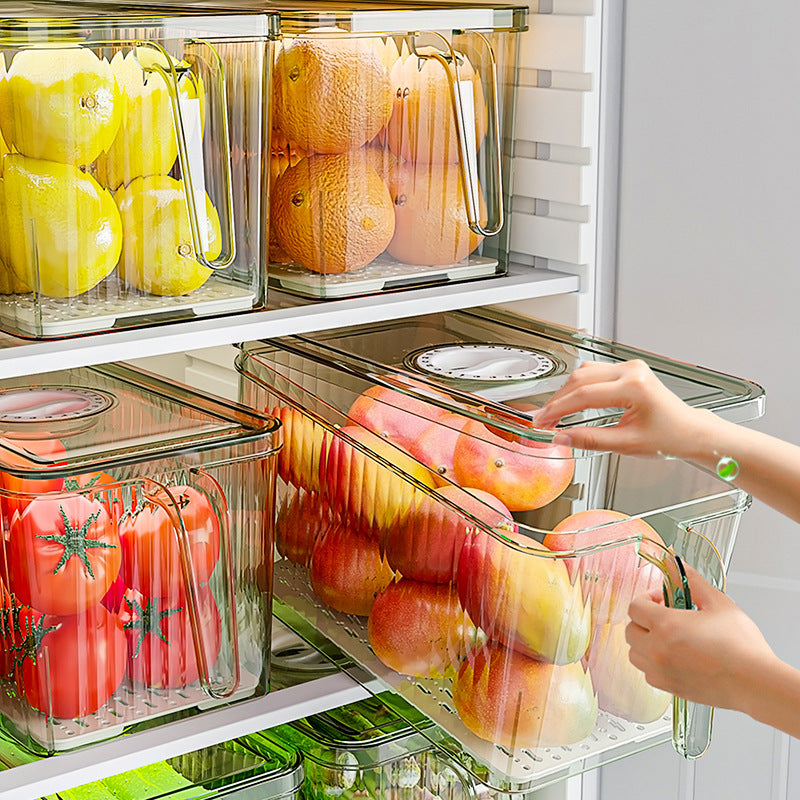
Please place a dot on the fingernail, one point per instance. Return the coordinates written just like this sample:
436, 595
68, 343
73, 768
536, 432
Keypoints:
562, 438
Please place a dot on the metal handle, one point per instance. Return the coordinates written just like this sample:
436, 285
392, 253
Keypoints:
171, 78
192, 586
467, 157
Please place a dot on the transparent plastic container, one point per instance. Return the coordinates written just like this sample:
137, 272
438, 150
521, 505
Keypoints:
391, 145
133, 189
367, 749
467, 562
136, 567
228, 770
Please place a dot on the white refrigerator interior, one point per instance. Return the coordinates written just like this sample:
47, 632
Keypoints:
684, 117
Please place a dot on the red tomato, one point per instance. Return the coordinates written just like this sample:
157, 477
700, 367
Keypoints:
18, 492
70, 666
150, 556
98, 486
63, 554
161, 650
112, 599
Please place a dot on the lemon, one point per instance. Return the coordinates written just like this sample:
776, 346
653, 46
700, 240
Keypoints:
9, 283
157, 255
60, 220
60, 104
3, 150
146, 143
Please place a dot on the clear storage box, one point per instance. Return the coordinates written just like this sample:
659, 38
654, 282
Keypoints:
136, 566
367, 749
391, 145
481, 571
132, 142
228, 770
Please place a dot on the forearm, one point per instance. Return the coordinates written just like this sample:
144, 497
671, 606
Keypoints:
772, 695
769, 468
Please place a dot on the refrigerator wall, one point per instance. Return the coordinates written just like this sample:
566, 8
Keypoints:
708, 205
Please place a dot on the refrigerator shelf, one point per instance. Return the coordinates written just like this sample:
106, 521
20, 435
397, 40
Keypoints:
124, 708
525, 768
286, 315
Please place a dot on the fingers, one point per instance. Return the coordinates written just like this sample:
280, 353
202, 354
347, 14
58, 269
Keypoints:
703, 594
603, 394
614, 439
592, 385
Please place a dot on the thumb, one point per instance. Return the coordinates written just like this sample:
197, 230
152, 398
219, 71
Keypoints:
586, 438
703, 594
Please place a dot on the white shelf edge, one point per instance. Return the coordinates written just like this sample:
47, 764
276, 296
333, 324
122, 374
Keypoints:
140, 749
36, 357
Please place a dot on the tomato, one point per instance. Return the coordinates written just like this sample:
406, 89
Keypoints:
18, 492
150, 556
112, 599
98, 486
161, 650
63, 554
69, 666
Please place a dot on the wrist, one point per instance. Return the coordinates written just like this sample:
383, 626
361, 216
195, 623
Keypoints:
703, 439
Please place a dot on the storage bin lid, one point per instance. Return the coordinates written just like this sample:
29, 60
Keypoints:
402, 17
228, 771
54, 18
64, 423
372, 727
490, 363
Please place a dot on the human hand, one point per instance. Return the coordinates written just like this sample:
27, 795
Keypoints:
654, 420
713, 655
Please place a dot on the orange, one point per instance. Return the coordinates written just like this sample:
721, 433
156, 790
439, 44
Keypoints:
331, 92
431, 225
332, 213
283, 154
423, 126
381, 159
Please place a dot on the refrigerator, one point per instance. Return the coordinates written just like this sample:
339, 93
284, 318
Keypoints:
577, 254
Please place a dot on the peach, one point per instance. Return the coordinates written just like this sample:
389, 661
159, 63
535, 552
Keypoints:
360, 485
393, 414
435, 446
525, 475
348, 570
302, 519
613, 574
621, 687
304, 440
507, 698
427, 544
521, 595
420, 628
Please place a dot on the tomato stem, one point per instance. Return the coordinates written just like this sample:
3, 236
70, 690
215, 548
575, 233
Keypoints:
147, 620
75, 542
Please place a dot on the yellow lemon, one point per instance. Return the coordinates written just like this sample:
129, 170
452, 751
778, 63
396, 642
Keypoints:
3, 150
146, 144
62, 231
60, 104
157, 255
9, 283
